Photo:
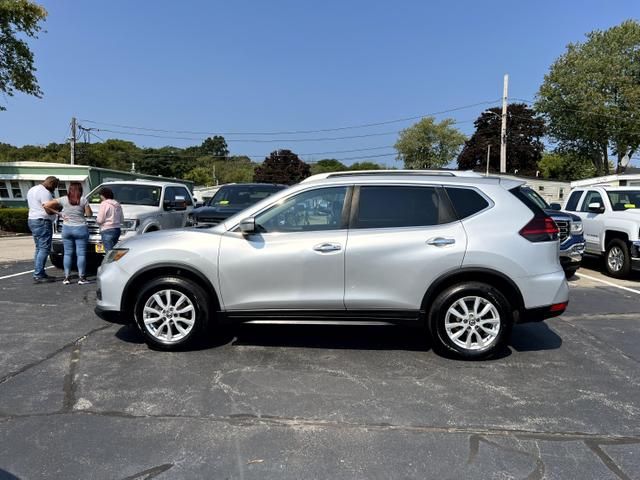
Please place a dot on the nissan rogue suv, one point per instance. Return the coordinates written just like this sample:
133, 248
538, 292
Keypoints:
466, 257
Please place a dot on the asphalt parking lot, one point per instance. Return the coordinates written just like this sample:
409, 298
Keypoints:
81, 397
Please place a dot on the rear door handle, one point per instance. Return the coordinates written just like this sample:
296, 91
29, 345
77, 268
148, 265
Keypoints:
327, 247
441, 241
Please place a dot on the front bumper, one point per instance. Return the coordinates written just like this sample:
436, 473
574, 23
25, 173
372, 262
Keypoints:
571, 254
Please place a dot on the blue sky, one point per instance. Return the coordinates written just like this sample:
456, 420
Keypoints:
240, 68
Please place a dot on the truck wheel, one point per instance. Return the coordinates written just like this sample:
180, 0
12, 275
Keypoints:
617, 260
171, 312
57, 260
472, 320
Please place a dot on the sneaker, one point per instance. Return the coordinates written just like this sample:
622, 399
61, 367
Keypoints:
66, 281
46, 279
83, 281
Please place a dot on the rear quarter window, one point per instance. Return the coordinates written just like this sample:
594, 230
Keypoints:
466, 201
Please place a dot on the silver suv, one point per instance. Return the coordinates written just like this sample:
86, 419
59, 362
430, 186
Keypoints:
466, 257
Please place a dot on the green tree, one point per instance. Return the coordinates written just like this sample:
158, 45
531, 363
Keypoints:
18, 18
524, 145
566, 166
327, 165
428, 144
282, 166
216, 147
591, 95
366, 166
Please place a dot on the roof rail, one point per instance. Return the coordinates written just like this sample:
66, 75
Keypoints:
431, 173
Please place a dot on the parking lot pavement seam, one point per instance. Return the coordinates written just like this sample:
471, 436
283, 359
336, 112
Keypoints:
606, 460
250, 420
69, 387
64, 348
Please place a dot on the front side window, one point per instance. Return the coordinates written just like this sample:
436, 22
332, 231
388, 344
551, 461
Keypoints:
400, 206
572, 203
314, 210
624, 199
591, 197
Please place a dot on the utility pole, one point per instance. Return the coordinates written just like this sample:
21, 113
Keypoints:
73, 140
488, 155
503, 131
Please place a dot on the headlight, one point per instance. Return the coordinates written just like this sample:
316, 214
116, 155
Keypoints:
128, 225
114, 255
576, 228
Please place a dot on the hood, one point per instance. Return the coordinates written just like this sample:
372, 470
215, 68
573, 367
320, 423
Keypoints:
174, 237
220, 211
562, 215
130, 211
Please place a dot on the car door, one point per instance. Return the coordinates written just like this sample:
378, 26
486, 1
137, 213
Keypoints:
401, 239
295, 261
592, 222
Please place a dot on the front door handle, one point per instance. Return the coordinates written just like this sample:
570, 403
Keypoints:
441, 241
327, 247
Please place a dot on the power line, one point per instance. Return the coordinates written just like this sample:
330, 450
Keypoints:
293, 132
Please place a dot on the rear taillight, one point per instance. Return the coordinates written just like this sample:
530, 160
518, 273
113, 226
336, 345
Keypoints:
540, 229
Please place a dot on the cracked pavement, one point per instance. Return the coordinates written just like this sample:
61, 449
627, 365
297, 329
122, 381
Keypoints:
81, 397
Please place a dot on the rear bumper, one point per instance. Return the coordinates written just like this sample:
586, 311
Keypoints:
539, 314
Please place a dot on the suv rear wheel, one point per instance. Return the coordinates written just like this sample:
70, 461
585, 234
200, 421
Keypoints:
472, 320
171, 312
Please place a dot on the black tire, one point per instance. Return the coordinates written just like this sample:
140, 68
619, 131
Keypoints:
570, 272
183, 292
57, 260
438, 317
617, 260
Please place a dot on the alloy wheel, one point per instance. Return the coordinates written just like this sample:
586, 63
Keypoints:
169, 316
472, 323
615, 259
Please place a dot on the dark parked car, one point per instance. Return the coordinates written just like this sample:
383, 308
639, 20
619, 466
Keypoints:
231, 199
571, 233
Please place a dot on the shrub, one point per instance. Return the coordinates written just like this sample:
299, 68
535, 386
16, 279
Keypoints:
14, 220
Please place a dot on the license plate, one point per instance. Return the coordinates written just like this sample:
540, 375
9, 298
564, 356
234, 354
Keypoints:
99, 248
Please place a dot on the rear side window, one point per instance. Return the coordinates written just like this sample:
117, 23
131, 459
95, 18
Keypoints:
572, 203
466, 201
400, 206
522, 193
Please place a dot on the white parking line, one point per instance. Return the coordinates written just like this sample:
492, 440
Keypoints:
595, 279
21, 273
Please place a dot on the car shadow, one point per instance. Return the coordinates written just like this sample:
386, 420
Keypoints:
525, 338
531, 337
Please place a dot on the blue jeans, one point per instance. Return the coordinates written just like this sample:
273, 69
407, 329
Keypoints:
75, 241
109, 238
42, 231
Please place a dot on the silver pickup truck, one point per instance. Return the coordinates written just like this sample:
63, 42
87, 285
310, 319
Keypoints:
147, 207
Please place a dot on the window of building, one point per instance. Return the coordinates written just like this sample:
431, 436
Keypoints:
16, 191
4, 191
62, 188
541, 188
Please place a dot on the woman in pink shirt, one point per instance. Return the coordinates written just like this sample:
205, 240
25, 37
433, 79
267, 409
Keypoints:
109, 218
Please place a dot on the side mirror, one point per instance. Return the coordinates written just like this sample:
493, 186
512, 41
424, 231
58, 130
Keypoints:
556, 206
596, 207
248, 225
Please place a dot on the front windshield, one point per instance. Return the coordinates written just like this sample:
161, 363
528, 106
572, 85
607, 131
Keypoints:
537, 199
624, 199
131, 194
241, 195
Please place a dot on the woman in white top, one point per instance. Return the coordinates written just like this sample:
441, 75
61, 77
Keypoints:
75, 233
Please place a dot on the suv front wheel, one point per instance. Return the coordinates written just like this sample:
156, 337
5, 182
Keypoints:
472, 320
171, 312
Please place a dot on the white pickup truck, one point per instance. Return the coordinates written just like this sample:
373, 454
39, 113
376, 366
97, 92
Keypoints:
611, 221
146, 206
